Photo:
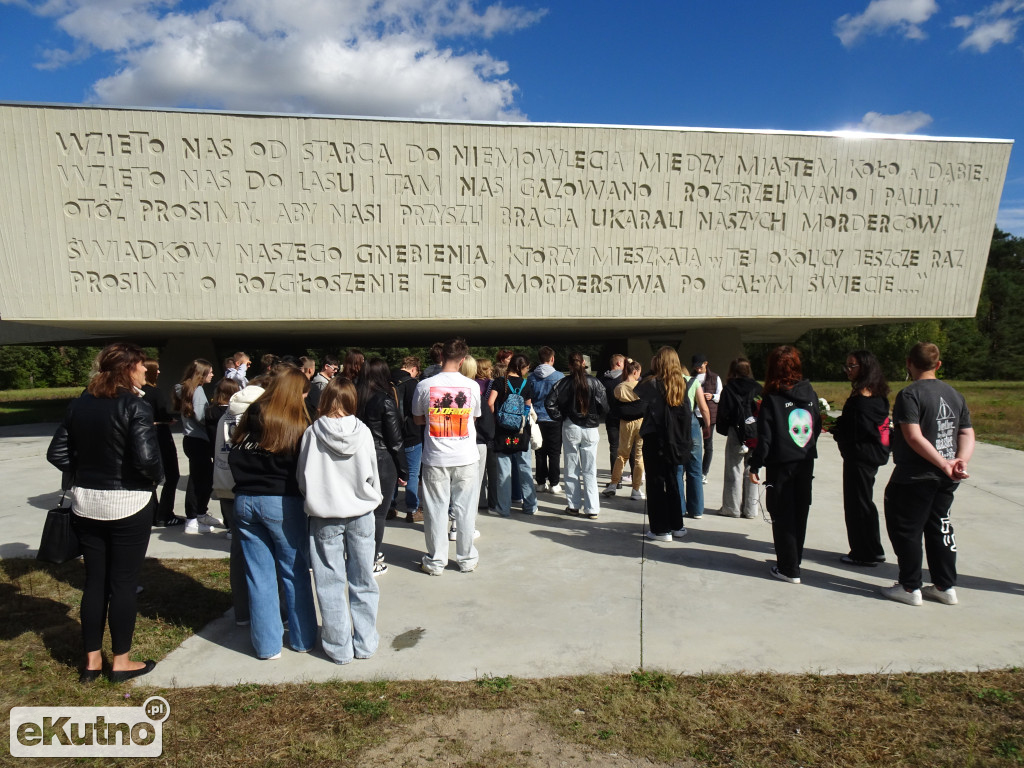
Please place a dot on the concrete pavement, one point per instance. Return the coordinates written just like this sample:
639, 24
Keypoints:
556, 595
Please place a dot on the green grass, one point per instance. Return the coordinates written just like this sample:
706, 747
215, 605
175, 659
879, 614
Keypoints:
997, 407
35, 406
945, 719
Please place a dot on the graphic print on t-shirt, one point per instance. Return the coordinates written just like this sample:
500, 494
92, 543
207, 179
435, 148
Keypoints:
945, 431
449, 412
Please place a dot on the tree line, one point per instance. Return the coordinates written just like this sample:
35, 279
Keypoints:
988, 346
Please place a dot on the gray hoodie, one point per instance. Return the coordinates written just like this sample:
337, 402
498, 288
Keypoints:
338, 468
223, 482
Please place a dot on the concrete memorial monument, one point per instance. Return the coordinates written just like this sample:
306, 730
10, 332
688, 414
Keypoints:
197, 224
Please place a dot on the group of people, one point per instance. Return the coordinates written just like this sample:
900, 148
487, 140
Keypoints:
308, 465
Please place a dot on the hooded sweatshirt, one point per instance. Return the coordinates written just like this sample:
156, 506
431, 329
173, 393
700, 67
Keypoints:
338, 468
223, 482
788, 424
544, 378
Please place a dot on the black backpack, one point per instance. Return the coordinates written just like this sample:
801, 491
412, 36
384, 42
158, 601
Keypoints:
675, 425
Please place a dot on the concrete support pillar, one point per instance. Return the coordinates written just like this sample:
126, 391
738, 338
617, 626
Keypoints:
176, 354
720, 345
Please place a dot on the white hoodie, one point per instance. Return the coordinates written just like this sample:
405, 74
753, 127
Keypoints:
223, 482
338, 468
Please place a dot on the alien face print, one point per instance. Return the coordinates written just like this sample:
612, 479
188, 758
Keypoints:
800, 426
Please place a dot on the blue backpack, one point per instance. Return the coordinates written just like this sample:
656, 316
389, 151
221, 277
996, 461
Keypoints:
511, 415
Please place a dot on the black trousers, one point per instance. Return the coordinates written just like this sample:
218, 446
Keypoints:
113, 551
862, 529
705, 466
921, 507
611, 427
789, 501
664, 496
200, 476
169, 459
388, 482
549, 455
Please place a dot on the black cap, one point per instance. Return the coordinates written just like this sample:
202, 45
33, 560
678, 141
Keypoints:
698, 360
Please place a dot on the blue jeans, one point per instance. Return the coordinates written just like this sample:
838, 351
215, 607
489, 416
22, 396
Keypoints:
694, 475
413, 454
275, 542
579, 447
507, 464
342, 551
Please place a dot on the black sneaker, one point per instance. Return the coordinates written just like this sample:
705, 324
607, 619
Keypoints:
847, 560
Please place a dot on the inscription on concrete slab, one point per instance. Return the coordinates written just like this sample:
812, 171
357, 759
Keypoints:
203, 216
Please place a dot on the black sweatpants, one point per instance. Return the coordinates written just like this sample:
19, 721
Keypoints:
664, 496
789, 501
916, 508
862, 529
169, 459
200, 476
113, 551
549, 455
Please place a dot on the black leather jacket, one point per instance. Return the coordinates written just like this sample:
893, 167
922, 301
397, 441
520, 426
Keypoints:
108, 444
561, 403
381, 415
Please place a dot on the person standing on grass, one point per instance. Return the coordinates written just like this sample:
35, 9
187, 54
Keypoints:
862, 434
788, 425
338, 474
449, 404
932, 442
108, 441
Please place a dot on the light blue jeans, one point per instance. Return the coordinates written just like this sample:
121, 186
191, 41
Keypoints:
459, 489
413, 454
691, 474
275, 542
507, 462
579, 449
342, 550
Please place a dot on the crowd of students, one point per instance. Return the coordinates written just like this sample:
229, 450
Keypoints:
308, 465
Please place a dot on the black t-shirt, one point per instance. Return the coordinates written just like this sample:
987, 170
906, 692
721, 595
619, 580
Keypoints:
941, 412
506, 441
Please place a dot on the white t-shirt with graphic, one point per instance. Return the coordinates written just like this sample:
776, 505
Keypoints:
450, 402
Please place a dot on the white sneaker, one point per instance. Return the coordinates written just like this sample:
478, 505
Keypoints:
679, 534
194, 526
543, 487
637, 495
610, 489
210, 520
659, 536
704, 479
783, 577
900, 595
476, 535
379, 569
452, 533
556, 488
627, 478
944, 596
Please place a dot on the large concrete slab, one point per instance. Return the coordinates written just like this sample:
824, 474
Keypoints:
556, 595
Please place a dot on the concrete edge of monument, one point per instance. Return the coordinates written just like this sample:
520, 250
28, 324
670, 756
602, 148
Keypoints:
559, 230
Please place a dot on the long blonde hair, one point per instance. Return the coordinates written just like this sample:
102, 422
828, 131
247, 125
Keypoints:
281, 418
670, 371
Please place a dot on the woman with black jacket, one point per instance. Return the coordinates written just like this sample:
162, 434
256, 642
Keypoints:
378, 409
108, 441
739, 494
788, 424
862, 433
580, 402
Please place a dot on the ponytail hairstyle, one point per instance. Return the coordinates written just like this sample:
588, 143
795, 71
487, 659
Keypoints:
193, 378
281, 418
671, 373
580, 385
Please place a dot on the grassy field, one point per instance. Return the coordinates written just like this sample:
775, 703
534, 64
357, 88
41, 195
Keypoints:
942, 719
32, 406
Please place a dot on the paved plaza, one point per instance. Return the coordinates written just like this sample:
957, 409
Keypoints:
556, 595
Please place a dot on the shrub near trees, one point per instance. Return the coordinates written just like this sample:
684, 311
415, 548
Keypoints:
989, 345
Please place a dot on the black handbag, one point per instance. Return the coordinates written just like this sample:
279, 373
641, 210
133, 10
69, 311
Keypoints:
59, 542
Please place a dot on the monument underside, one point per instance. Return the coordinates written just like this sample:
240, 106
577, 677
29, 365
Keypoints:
166, 224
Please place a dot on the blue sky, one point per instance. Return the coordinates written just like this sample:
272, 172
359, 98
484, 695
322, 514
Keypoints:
929, 67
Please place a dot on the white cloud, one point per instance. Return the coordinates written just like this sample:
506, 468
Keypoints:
1010, 217
995, 24
905, 16
904, 122
359, 57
